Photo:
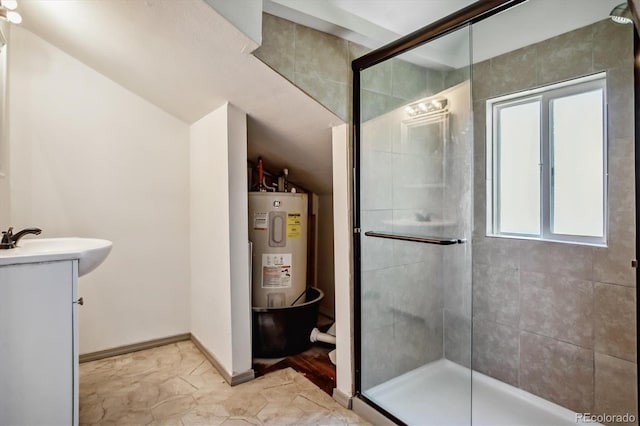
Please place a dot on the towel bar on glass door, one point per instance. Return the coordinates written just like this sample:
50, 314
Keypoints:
426, 240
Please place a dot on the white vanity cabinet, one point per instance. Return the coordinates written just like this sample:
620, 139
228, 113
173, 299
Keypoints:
39, 343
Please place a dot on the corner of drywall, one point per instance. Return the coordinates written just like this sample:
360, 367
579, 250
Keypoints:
245, 15
220, 292
239, 240
342, 231
209, 236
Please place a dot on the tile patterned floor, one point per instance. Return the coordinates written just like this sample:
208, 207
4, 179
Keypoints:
176, 385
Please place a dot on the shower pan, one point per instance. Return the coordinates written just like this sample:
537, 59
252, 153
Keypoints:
457, 321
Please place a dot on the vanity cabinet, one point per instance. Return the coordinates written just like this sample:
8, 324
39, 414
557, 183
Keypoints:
39, 343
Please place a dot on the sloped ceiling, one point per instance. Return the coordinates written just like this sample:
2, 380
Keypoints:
185, 58
374, 23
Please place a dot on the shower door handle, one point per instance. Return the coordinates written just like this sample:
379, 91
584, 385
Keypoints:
441, 241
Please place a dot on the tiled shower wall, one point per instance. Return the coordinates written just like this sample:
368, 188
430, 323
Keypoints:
320, 64
316, 62
405, 178
558, 320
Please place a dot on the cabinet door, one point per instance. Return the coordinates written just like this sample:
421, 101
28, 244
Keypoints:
36, 344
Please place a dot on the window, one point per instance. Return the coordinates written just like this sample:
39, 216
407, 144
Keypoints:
546, 163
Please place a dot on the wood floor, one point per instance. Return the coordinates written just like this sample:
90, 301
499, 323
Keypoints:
313, 363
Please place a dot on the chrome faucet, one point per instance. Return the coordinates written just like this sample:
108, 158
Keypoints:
10, 240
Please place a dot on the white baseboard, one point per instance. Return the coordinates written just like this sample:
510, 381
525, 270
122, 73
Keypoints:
342, 398
232, 379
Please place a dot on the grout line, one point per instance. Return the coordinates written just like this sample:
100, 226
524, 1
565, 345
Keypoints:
536, 333
187, 382
191, 372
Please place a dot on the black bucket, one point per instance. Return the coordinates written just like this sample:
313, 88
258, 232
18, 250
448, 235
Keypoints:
279, 332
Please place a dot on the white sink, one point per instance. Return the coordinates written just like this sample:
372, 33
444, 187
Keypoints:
90, 252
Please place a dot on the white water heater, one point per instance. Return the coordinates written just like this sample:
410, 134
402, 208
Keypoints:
278, 231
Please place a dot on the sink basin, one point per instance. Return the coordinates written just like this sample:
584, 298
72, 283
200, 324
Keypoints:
90, 252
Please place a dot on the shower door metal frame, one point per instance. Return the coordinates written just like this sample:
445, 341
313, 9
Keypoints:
476, 12
636, 117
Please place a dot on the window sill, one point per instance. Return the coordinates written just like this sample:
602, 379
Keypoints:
546, 240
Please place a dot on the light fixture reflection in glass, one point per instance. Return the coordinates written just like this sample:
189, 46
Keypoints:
14, 17
9, 4
621, 14
426, 106
8, 12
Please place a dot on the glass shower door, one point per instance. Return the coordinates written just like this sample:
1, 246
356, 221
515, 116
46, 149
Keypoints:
414, 203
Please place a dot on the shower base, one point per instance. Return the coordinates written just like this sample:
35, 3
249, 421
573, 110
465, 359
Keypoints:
439, 394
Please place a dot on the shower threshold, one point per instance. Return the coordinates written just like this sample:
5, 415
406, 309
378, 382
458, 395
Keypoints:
438, 393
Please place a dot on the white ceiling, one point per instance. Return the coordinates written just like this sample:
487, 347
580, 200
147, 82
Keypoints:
401, 16
185, 58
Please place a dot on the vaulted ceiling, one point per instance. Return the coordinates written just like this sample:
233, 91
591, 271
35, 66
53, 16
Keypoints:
187, 59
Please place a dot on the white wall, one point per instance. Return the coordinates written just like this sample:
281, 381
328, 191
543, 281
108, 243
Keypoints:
210, 272
220, 304
325, 265
89, 158
239, 240
342, 233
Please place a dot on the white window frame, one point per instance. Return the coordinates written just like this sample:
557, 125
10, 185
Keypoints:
544, 95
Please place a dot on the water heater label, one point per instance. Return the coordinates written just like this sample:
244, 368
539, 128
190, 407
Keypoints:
294, 225
276, 270
260, 220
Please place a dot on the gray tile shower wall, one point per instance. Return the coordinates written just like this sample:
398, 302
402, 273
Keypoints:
317, 62
421, 292
320, 64
558, 320
458, 210
615, 380
402, 284
557, 371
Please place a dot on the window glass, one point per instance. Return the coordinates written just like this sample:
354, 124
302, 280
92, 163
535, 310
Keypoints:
519, 173
577, 169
